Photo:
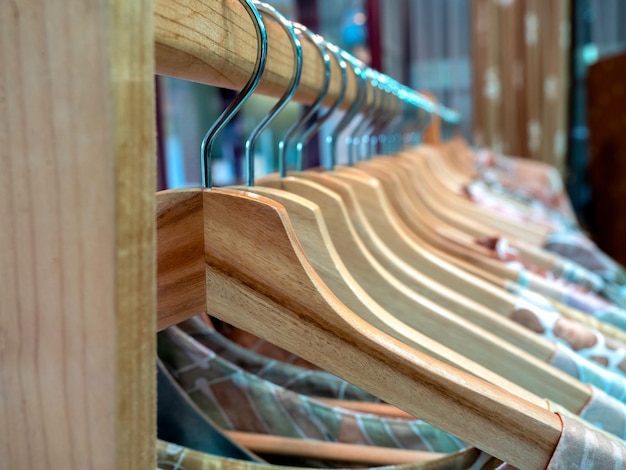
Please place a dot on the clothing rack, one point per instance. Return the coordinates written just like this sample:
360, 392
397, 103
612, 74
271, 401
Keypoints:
77, 249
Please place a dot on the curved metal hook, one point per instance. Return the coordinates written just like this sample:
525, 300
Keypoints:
385, 116
282, 102
361, 95
353, 140
304, 138
398, 117
283, 145
259, 67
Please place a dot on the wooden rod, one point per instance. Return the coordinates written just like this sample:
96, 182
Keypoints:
380, 409
214, 42
308, 448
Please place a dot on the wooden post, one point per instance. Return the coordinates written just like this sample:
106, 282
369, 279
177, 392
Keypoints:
77, 276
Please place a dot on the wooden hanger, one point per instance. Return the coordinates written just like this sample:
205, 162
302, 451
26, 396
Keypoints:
447, 242
410, 309
419, 323
236, 254
448, 199
531, 252
428, 229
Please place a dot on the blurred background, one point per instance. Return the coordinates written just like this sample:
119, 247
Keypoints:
541, 79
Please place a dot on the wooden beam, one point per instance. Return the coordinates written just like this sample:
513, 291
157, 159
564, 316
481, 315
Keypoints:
214, 42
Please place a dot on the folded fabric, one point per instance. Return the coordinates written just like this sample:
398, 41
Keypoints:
175, 457
297, 379
180, 421
532, 312
582, 446
236, 400
575, 246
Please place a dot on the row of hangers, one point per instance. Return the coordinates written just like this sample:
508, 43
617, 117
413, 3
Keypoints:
347, 266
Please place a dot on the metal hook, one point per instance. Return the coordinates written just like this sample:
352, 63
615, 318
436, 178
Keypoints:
304, 138
385, 116
399, 116
282, 102
232, 109
331, 140
319, 43
354, 140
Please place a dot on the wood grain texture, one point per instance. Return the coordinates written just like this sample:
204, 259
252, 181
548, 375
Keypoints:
410, 313
394, 233
214, 42
180, 257
258, 279
415, 321
77, 382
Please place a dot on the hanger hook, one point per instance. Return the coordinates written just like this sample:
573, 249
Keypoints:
319, 43
291, 89
396, 117
304, 138
361, 94
206, 148
368, 116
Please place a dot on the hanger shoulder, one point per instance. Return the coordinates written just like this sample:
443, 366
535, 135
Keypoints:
406, 316
180, 265
258, 278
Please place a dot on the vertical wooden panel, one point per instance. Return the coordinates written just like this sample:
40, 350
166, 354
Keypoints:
77, 241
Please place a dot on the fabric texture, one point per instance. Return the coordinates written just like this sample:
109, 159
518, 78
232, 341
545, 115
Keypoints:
297, 379
574, 365
606, 413
180, 421
174, 457
577, 247
611, 331
236, 400
589, 344
581, 446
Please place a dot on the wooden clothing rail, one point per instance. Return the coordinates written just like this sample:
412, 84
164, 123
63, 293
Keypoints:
77, 245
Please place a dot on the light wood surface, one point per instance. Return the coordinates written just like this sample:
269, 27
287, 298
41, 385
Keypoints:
333, 451
411, 313
213, 42
258, 279
77, 357
420, 323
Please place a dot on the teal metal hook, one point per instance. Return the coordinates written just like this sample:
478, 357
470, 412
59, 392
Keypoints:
306, 136
361, 96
